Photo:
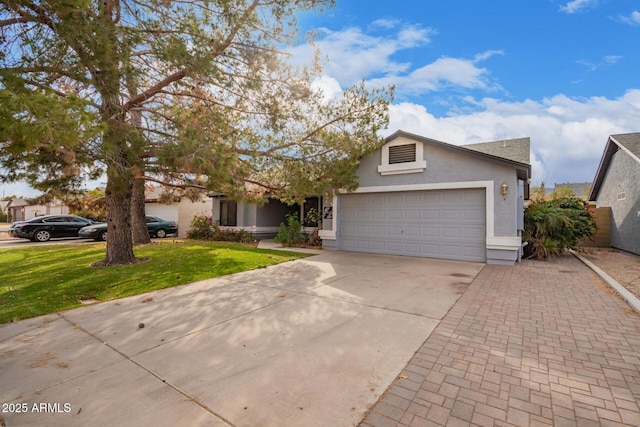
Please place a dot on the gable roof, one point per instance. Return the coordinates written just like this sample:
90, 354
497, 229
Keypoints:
627, 142
514, 154
515, 149
16, 202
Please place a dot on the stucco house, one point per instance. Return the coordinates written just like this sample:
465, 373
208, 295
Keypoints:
617, 185
181, 209
427, 198
20, 209
261, 220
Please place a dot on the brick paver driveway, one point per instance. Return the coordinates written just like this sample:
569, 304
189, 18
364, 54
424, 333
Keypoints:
542, 343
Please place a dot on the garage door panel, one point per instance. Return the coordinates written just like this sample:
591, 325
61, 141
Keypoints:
430, 231
412, 248
394, 230
474, 233
392, 199
394, 214
411, 231
439, 224
377, 231
474, 197
431, 214
452, 214
432, 198
474, 214
413, 199
378, 214
451, 232
363, 215
412, 214
394, 247
452, 250
431, 250
474, 252
453, 198
378, 245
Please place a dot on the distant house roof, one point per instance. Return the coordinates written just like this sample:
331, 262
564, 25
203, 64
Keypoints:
627, 142
514, 149
580, 189
16, 202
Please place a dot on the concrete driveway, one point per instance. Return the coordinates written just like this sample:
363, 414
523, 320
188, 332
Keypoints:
312, 342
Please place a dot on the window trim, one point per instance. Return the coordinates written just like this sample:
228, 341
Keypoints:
416, 166
229, 221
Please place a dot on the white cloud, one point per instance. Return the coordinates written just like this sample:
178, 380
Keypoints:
329, 87
567, 135
633, 19
605, 61
443, 73
351, 55
578, 5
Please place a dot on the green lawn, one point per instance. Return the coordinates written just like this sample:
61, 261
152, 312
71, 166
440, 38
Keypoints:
45, 279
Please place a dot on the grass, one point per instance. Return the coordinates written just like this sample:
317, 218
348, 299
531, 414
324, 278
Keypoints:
40, 280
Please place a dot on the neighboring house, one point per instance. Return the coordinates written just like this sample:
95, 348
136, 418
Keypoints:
15, 210
617, 185
422, 197
19, 209
261, 220
182, 210
578, 189
3, 206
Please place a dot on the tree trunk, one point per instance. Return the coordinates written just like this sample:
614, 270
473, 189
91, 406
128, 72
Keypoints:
139, 232
119, 243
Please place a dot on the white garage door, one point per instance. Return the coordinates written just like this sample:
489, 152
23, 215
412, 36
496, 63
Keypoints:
447, 224
166, 212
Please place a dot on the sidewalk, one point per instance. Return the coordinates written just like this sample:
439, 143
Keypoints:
541, 343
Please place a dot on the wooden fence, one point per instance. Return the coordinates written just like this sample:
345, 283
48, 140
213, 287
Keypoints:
602, 239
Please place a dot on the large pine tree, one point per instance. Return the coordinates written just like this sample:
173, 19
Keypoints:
191, 94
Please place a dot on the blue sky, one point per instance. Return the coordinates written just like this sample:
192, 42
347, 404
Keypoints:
564, 73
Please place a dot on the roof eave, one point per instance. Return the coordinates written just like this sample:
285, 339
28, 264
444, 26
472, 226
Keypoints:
610, 148
523, 169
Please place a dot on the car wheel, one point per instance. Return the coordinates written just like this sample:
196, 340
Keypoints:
42, 236
103, 236
161, 233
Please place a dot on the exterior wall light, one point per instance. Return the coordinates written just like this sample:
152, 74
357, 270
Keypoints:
326, 198
505, 189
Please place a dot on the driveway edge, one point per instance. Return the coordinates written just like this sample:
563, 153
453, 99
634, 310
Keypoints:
630, 298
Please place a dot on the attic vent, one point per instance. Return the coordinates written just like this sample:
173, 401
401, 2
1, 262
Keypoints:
402, 154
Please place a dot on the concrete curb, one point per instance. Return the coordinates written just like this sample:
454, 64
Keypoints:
630, 298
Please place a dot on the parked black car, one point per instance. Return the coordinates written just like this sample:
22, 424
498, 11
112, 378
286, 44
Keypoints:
156, 226
43, 228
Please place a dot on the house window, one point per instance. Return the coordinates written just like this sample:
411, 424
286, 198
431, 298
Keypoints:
228, 213
402, 154
400, 157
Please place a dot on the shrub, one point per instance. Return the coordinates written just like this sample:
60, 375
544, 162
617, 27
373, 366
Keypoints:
201, 228
552, 226
291, 233
228, 235
314, 217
